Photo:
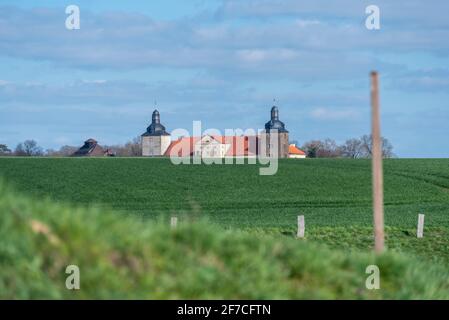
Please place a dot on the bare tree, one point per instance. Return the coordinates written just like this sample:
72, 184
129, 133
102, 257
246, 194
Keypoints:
28, 148
130, 149
352, 148
322, 149
311, 148
134, 147
50, 153
367, 146
329, 149
64, 151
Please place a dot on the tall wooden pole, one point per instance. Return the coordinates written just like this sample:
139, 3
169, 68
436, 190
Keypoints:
378, 193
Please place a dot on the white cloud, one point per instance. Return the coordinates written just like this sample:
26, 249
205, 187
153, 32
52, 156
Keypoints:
302, 23
94, 81
414, 13
334, 114
305, 47
430, 80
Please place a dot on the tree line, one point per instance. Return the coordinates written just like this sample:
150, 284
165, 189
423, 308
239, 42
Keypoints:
355, 148
30, 148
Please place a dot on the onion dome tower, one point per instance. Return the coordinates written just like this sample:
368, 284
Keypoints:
156, 140
156, 128
275, 123
275, 133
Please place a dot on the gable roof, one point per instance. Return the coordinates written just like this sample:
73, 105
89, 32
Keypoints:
238, 145
90, 148
292, 149
209, 139
183, 147
241, 145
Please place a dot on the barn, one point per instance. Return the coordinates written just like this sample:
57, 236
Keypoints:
91, 148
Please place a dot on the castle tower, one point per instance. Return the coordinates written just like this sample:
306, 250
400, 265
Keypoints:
275, 129
155, 141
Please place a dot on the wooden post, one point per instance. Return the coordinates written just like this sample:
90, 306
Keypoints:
301, 227
420, 231
173, 222
377, 171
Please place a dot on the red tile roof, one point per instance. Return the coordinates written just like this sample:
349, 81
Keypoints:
183, 147
292, 149
240, 146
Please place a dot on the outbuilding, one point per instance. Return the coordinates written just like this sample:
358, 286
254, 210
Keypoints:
91, 148
295, 152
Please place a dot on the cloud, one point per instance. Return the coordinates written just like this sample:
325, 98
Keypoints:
201, 92
298, 49
413, 13
302, 23
430, 80
94, 81
334, 114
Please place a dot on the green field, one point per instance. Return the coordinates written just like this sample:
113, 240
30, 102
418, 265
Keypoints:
333, 194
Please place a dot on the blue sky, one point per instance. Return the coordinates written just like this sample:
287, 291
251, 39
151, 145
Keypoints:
223, 62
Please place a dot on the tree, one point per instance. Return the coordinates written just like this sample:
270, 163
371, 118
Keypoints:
362, 148
4, 150
322, 149
133, 147
367, 146
352, 148
329, 149
130, 149
67, 151
28, 148
311, 148
51, 153
64, 151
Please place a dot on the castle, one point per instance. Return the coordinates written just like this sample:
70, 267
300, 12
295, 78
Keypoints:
157, 142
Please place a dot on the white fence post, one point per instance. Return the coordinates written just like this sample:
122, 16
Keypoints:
301, 227
420, 230
173, 222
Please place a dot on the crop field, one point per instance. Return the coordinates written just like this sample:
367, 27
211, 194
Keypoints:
132, 259
334, 195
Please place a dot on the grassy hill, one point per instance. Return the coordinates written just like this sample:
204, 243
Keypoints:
333, 194
125, 257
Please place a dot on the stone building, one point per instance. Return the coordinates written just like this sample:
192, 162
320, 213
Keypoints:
209, 146
275, 133
155, 141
